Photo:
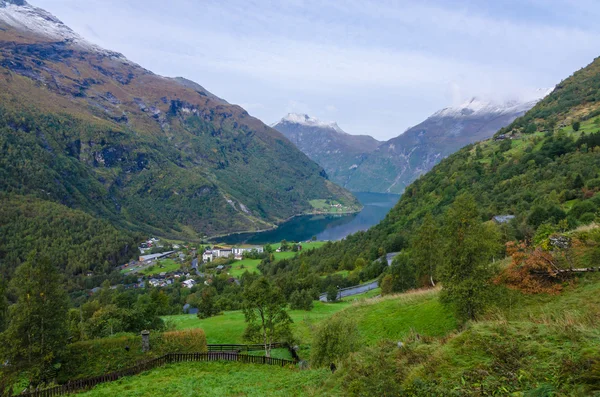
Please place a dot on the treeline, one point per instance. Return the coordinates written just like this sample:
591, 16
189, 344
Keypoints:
74, 240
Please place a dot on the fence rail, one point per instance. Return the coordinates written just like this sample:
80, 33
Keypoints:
244, 348
169, 358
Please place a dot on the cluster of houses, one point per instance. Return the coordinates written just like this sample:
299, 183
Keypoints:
148, 245
236, 253
164, 280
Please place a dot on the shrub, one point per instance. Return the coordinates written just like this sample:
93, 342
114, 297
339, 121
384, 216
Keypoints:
333, 340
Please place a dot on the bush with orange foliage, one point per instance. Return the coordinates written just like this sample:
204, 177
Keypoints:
532, 270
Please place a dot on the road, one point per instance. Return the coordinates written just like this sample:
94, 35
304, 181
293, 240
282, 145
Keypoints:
359, 289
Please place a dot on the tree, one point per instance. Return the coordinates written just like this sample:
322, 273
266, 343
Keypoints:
359, 263
333, 340
284, 245
426, 249
332, 293
532, 270
264, 310
403, 272
467, 253
576, 125
301, 300
207, 306
387, 285
37, 332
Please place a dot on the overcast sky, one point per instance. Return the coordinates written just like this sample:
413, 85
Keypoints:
375, 67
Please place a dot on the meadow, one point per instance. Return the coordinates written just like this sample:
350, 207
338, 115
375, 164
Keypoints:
215, 379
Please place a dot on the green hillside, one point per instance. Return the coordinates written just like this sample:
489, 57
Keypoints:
539, 169
150, 155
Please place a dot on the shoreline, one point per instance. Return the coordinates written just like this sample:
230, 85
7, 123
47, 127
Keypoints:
276, 225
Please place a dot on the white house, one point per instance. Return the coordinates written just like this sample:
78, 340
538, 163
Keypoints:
207, 256
189, 283
239, 251
222, 253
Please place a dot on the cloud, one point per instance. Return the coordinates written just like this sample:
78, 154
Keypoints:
384, 64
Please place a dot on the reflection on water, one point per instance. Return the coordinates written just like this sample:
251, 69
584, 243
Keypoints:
325, 227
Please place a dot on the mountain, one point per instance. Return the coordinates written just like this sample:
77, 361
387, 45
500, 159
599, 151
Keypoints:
327, 144
89, 130
401, 160
543, 169
361, 163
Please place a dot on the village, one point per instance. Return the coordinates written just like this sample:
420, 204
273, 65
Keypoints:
162, 264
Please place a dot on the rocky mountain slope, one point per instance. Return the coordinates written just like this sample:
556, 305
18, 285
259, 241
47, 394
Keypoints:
360, 163
338, 152
88, 129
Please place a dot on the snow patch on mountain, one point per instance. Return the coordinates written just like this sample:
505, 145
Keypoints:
476, 107
27, 18
304, 119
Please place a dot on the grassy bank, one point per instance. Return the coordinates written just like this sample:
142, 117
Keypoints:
215, 379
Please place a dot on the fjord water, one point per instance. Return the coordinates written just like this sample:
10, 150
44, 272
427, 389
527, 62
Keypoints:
325, 227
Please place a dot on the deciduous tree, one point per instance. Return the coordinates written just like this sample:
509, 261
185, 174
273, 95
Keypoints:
265, 313
468, 250
37, 332
426, 249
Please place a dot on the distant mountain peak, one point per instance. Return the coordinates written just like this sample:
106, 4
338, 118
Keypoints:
304, 119
29, 19
476, 106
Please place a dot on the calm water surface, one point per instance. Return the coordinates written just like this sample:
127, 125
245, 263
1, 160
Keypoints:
325, 227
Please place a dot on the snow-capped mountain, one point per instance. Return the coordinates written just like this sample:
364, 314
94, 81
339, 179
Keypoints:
306, 120
477, 106
327, 144
399, 161
26, 18
360, 163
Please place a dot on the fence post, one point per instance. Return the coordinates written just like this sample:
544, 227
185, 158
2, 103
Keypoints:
145, 340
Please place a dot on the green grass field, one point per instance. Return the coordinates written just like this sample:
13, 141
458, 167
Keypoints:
284, 255
322, 206
395, 317
387, 317
229, 327
215, 379
245, 265
168, 265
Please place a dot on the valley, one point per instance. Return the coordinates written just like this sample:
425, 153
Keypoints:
159, 240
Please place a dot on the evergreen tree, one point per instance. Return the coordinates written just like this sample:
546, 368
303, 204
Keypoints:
37, 332
264, 310
426, 249
467, 254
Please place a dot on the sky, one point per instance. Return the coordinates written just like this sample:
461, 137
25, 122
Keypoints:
374, 67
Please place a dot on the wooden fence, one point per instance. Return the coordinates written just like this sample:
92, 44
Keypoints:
244, 348
169, 358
